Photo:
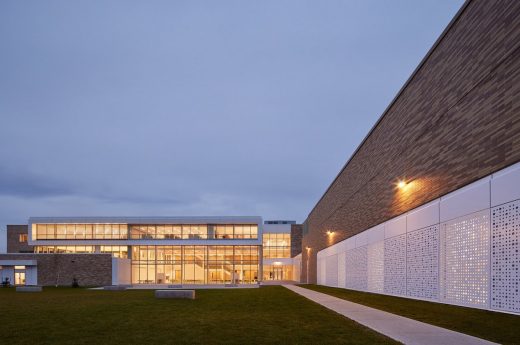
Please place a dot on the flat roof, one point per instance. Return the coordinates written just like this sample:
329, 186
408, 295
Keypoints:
151, 220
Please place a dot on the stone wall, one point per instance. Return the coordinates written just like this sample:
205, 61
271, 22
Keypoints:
456, 120
296, 239
60, 269
13, 239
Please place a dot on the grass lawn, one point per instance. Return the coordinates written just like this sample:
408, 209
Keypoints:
498, 327
271, 315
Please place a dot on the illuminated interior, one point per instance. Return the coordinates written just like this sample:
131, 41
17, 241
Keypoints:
276, 245
195, 264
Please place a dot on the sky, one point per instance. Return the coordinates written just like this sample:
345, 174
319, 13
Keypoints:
175, 108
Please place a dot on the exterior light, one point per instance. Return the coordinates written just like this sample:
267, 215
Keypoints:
330, 233
401, 184
308, 248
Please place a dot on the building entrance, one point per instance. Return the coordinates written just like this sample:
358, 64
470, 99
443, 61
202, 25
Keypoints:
19, 275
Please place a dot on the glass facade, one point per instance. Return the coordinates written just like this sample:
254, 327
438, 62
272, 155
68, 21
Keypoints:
195, 264
276, 245
194, 231
142, 232
81, 231
116, 251
278, 272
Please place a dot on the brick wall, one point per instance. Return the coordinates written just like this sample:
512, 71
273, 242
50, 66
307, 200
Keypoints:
456, 120
89, 269
13, 239
296, 239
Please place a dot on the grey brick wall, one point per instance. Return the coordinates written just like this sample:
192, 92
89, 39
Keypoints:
13, 239
89, 269
456, 120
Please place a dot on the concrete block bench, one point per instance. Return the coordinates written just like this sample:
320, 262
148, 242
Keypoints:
187, 294
28, 289
115, 287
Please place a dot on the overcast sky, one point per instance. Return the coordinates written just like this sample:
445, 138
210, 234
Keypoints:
195, 107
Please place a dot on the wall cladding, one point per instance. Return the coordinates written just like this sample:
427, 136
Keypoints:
505, 260
465, 260
331, 269
422, 264
376, 266
60, 269
13, 239
462, 249
455, 121
356, 273
395, 265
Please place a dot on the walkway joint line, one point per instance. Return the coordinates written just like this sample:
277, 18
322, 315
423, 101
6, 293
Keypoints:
400, 328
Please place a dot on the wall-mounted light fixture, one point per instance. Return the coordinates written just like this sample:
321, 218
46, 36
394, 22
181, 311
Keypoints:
330, 233
401, 184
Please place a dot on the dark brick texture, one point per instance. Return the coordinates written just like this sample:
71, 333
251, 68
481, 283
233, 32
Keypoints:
456, 120
60, 269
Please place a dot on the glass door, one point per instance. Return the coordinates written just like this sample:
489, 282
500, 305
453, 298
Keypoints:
19, 277
278, 273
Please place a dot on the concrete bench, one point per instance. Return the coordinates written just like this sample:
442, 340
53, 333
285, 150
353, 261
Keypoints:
115, 287
28, 289
187, 294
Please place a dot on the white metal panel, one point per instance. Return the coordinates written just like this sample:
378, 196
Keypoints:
472, 198
422, 263
31, 275
376, 234
331, 269
505, 185
350, 243
395, 265
342, 257
376, 266
423, 216
321, 271
361, 239
505, 257
465, 260
356, 273
395, 227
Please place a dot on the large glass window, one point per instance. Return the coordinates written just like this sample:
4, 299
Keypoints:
194, 231
278, 272
195, 264
116, 251
81, 231
276, 245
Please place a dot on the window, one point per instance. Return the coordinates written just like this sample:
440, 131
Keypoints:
277, 245
195, 264
23, 238
81, 231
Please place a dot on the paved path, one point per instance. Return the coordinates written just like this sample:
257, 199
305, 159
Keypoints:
397, 327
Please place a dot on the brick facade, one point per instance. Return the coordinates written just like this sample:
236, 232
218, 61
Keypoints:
296, 239
60, 269
13, 239
456, 120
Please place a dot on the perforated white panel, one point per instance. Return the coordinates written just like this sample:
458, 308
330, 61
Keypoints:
375, 267
395, 265
356, 272
342, 257
465, 260
321, 271
422, 263
505, 257
331, 276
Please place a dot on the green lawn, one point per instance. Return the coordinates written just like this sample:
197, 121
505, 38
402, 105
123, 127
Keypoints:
271, 315
497, 327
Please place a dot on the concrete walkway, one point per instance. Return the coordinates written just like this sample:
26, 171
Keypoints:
397, 327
